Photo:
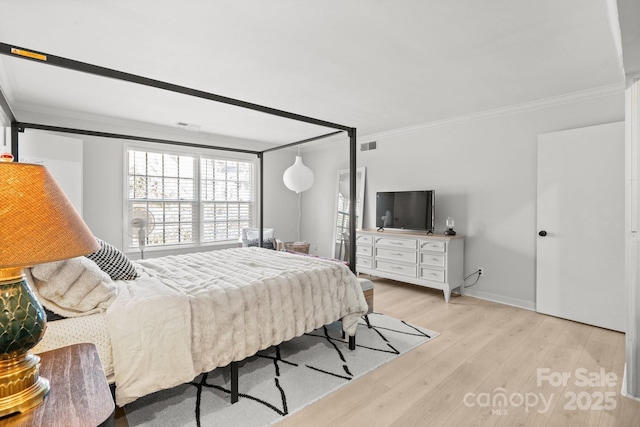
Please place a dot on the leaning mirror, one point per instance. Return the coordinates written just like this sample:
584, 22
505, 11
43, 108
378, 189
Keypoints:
341, 226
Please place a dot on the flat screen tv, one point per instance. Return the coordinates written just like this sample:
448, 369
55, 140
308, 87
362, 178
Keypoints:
405, 210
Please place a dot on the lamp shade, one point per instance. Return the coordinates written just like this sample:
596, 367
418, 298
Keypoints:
298, 177
38, 223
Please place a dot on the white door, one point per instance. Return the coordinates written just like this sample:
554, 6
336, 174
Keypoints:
580, 242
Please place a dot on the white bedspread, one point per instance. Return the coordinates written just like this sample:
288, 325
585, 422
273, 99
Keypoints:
189, 314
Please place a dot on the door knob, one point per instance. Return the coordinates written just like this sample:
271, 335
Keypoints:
542, 233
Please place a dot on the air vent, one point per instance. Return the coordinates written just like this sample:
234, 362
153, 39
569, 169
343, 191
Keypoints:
368, 146
189, 126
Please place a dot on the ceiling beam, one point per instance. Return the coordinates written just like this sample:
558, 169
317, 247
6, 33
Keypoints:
304, 141
23, 126
58, 61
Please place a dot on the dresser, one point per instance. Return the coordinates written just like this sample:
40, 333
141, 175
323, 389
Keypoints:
432, 260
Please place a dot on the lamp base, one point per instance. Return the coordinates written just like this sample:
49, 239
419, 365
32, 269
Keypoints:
22, 324
21, 387
449, 232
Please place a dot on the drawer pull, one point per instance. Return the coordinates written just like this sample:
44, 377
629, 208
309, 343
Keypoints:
396, 253
395, 267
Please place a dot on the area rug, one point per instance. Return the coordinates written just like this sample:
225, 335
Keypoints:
280, 380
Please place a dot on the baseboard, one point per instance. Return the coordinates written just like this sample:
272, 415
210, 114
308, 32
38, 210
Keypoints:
527, 305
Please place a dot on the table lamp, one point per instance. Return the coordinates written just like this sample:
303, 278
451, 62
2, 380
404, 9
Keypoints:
450, 223
38, 224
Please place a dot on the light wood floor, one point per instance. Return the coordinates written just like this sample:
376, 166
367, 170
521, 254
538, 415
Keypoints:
482, 347
484, 350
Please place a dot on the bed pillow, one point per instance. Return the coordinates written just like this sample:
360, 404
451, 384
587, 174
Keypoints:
73, 287
113, 262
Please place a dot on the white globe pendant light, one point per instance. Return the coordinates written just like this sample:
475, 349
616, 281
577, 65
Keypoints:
298, 177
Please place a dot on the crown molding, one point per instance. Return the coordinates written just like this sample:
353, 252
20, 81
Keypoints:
603, 91
509, 110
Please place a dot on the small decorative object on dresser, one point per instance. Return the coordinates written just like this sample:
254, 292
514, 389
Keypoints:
449, 231
433, 260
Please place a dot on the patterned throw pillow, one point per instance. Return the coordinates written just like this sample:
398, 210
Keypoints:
267, 243
268, 240
113, 262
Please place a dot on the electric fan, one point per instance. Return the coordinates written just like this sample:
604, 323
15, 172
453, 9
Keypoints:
140, 224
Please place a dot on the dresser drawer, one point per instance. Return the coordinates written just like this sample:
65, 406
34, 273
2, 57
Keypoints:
390, 267
426, 245
364, 250
364, 239
364, 262
436, 260
396, 255
397, 243
432, 274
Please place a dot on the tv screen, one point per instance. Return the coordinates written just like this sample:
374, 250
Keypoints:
410, 210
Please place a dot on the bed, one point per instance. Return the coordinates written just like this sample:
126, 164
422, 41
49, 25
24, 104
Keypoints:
188, 314
204, 318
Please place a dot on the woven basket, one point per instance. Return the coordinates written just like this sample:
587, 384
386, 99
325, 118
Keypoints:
301, 247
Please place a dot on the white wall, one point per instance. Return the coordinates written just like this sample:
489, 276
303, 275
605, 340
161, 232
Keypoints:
319, 202
484, 173
280, 203
61, 155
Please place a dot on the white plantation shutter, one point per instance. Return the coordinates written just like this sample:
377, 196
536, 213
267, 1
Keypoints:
193, 199
227, 198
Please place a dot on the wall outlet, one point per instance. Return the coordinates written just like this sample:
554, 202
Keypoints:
480, 271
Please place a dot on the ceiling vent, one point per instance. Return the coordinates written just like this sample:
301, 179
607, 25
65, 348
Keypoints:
189, 126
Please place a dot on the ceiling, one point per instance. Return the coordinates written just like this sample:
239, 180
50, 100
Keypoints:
370, 64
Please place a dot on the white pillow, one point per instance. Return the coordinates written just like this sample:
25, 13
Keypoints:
73, 287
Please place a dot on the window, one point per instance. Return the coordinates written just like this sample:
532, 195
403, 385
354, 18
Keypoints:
227, 198
193, 199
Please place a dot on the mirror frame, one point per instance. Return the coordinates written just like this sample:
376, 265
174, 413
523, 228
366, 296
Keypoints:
343, 176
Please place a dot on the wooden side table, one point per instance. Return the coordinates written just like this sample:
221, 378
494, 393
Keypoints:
79, 395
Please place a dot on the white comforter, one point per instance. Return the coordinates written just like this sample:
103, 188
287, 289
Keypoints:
189, 314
